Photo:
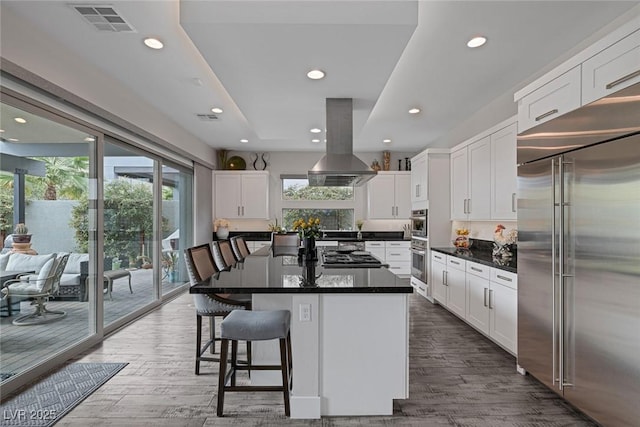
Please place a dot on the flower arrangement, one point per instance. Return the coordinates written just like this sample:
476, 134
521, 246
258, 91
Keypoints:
221, 223
359, 224
308, 228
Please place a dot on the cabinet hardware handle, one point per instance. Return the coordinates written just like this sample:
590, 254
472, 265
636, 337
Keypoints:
485, 296
547, 114
238, 210
392, 210
444, 278
465, 206
469, 206
243, 211
513, 202
623, 79
503, 278
422, 289
454, 262
417, 190
476, 269
490, 299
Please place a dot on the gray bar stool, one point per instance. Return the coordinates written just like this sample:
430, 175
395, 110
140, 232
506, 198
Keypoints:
249, 326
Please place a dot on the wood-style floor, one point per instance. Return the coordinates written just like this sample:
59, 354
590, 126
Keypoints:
457, 378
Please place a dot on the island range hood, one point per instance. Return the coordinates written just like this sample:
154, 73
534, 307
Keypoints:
339, 167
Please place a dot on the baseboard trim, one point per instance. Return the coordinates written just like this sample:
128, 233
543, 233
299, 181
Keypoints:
305, 407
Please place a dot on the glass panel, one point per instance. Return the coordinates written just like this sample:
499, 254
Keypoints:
299, 189
128, 231
44, 178
177, 187
330, 219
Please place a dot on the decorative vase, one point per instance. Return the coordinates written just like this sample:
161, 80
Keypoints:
222, 233
359, 235
309, 248
386, 160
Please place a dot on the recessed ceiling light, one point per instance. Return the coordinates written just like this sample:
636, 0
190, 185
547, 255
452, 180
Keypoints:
244, 141
153, 43
477, 41
89, 139
20, 120
217, 110
315, 130
386, 141
315, 140
13, 139
1, 130
315, 74
414, 111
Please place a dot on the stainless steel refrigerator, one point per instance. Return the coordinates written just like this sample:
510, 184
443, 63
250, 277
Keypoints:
579, 256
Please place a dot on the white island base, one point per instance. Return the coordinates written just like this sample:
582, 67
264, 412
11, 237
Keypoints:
349, 358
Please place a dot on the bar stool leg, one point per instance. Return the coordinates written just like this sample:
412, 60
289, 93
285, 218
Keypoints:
224, 349
212, 334
234, 361
249, 357
290, 357
285, 376
198, 341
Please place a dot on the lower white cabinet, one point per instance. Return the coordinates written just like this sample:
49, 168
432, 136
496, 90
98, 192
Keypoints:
394, 253
485, 297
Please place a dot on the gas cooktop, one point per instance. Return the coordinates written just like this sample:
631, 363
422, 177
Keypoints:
357, 259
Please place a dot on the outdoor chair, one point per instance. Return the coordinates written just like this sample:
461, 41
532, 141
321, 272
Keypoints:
45, 286
201, 266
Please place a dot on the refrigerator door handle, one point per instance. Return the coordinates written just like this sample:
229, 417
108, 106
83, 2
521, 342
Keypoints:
554, 326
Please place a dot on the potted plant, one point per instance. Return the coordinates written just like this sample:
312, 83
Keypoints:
20, 234
221, 228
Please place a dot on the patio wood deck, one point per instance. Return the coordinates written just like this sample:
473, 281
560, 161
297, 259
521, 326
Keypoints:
23, 346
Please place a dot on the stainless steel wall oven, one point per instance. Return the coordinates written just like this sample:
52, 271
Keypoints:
419, 222
419, 259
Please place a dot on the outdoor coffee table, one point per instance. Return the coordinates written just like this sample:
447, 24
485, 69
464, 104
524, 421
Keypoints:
112, 275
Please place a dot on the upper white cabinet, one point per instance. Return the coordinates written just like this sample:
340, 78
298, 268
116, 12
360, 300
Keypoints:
471, 181
557, 97
241, 195
388, 196
504, 172
612, 69
419, 180
610, 64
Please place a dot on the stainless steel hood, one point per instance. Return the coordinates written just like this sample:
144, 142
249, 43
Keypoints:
339, 167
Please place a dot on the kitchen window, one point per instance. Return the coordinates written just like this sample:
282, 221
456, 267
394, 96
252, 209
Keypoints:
333, 205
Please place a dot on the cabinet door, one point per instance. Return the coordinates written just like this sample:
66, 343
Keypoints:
459, 181
380, 195
419, 178
557, 97
504, 172
228, 196
503, 303
439, 289
456, 285
613, 69
255, 196
479, 204
477, 302
403, 196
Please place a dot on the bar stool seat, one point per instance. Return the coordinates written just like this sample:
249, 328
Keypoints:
249, 326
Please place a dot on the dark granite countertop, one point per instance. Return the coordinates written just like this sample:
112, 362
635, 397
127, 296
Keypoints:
480, 252
350, 236
262, 272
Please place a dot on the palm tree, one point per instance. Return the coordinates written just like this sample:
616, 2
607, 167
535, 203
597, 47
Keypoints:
65, 177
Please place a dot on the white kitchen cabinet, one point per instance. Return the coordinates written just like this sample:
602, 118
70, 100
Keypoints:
478, 296
456, 286
438, 280
471, 181
398, 256
613, 69
503, 305
388, 196
555, 98
419, 180
504, 172
241, 195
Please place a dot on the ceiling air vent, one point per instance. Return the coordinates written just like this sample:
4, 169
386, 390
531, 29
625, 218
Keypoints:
103, 18
208, 117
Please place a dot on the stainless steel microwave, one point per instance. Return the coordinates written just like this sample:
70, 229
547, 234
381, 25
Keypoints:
419, 222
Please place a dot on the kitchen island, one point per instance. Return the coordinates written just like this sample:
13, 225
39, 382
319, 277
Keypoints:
349, 331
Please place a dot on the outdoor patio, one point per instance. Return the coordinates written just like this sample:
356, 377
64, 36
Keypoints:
21, 347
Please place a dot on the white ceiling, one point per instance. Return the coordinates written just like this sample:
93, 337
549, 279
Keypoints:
251, 57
